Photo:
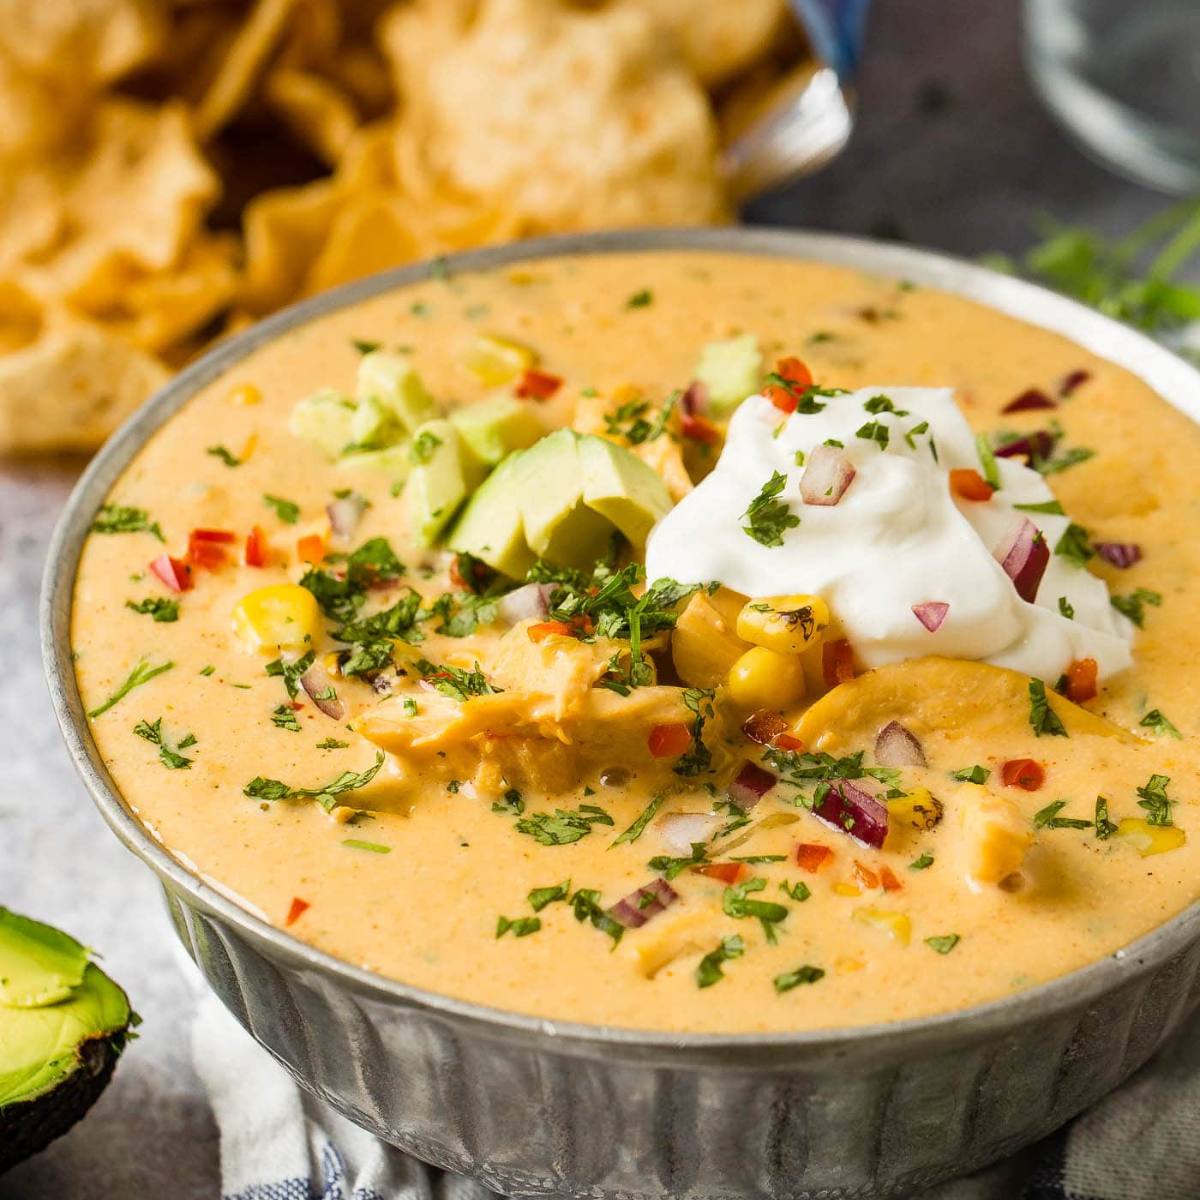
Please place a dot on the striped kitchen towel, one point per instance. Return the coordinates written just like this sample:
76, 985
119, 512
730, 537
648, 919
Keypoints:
278, 1143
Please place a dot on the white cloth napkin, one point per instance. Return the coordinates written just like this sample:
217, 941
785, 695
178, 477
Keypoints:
278, 1143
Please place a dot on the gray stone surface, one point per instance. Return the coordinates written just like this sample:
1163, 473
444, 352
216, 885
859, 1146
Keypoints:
952, 151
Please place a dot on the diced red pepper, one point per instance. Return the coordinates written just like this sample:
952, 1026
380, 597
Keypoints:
1023, 773
787, 741
221, 536
797, 375
537, 385
970, 485
1081, 680
865, 876
257, 550
545, 629
205, 547
763, 726
837, 662
173, 572
298, 909
887, 877
311, 549
669, 741
812, 856
699, 429
729, 872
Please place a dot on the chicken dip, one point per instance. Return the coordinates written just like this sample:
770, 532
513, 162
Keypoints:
682, 641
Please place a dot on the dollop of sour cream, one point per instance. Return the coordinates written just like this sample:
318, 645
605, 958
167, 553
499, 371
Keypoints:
897, 538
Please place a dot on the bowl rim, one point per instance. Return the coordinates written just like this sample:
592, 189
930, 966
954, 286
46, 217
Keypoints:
1177, 382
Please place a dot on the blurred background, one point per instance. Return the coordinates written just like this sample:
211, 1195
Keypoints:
171, 172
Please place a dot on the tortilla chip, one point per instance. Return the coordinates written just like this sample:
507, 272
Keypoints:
71, 387
318, 112
20, 317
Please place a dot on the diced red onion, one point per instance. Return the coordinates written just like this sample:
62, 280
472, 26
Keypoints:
852, 811
531, 601
750, 785
827, 475
1119, 554
1073, 380
896, 746
680, 830
344, 515
317, 683
638, 907
931, 614
1038, 445
694, 401
1029, 400
1024, 555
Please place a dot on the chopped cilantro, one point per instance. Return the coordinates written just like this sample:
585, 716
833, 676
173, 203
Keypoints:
520, 926
1104, 827
878, 404
372, 847
332, 744
636, 830
348, 781
1134, 606
630, 420
226, 456
563, 826
709, 971
1051, 508
586, 906
119, 518
365, 347
169, 755
874, 431
698, 758
207, 670
944, 943
456, 682
342, 593
140, 674
540, 897
987, 460
1155, 801
1042, 717
158, 607
1066, 608
642, 299
284, 717
737, 902
291, 671
798, 891
922, 863
1160, 724
1075, 545
801, 975
1048, 818
671, 867
768, 517
975, 774
286, 510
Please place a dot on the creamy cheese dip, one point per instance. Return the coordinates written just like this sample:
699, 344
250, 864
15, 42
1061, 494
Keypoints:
693, 808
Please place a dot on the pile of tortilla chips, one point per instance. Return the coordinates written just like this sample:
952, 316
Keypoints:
171, 169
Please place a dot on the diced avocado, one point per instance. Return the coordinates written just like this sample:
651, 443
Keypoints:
730, 370
394, 461
493, 428
374, 425
490, 527
325, 420
442, 477
393, 381
622, 488
63, 1024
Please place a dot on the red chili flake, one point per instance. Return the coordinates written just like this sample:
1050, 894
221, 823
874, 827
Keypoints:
970, 485
545, 629
298, 909
812, 856
865, 876
837, 662
669, 741
729, 873
699, 429
1023, 773
257, 550
537, 385
1071, 381
764, 726
1081, 680
173, 572
1029, 400
887, 877
798, 377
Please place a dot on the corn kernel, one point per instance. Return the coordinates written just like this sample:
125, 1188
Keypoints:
894, 924
245, 395
785, 624
997, 835
760, 678
282, 616
496, 360
919, 809
1149, 839
847, 889
846, 965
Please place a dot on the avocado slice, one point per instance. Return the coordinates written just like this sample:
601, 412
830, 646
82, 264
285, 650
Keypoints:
375, 426
490, 527
63, 1024
392, 381
393, 461
492, 429
325, 419
731, 370
622, 488
442, 477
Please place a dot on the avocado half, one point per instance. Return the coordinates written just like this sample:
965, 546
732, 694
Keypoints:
63, 1025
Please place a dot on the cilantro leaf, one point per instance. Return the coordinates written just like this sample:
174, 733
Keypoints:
119, 518
1042, 717
286, 510
709, 971
768, 517
158, 607
348, 781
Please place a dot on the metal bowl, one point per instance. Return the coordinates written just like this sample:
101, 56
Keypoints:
537, 1107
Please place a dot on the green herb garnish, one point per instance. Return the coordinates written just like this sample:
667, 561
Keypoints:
642, 299
540, 897
1134, 606
225, 455
975, 774
791, 979
922, 863
158, 607
290, 672
1042, 717
768, 517
332, 744
168, 754
348, 781
944, 943
1104, 827
140, 674
563, 826
1048, 818
1160, 724
1155, 801
709, 971
119, 518
284, 717
636, 830
738, 902
987, 459
520, 926
286, 510
1075, 545
373, 847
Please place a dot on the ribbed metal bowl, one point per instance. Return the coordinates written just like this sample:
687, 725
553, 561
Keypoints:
535, 1107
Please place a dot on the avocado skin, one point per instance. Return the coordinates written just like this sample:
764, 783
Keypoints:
28, 1126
